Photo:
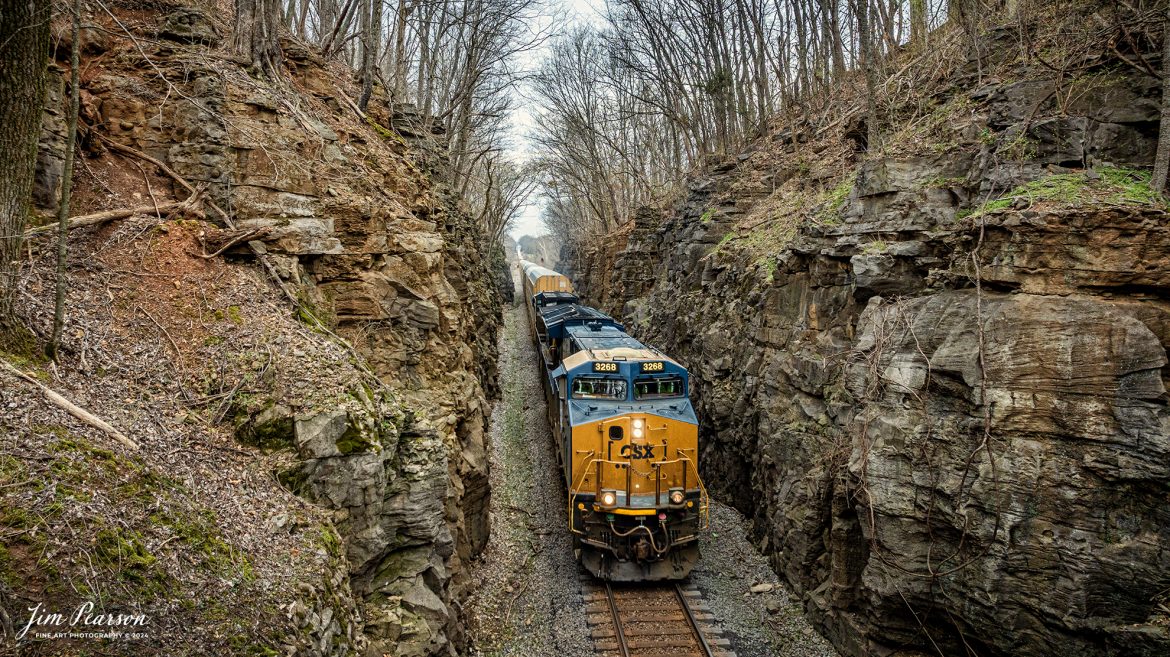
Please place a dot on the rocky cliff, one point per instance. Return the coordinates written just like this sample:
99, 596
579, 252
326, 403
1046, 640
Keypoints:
349, 214
935, 374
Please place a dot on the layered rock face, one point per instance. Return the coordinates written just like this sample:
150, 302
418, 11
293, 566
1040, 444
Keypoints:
353, 214
939, 389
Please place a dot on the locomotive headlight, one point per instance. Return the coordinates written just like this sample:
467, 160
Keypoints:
608, 498
676, 497
637, 432
638, 424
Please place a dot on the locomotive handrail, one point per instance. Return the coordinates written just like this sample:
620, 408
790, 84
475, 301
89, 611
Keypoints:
704, 497
573, 493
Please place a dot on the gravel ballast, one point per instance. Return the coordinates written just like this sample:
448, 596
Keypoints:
745, 595
526, 599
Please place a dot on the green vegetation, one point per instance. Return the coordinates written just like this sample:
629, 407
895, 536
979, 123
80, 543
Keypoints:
264, 428
331, 541
10, 575
145, 485
10, 468
1021, 147
245, 645
707, 215
357, 439
18, 346
1131, 186
294, 479
934, 130
769, 264
229, 314
944, 183
831, 202
312, 315
1108, 186
200, 532
124, 550
384, 132
122, 554
874, 247
66, 443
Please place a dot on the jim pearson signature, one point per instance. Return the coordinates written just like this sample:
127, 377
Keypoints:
83, 616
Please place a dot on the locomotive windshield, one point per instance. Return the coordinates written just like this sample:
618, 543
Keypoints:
595, 387
662, 388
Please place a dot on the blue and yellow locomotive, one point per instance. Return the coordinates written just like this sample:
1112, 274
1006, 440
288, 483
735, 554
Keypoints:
627, 438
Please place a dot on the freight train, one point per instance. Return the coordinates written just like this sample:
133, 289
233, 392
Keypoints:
626, 437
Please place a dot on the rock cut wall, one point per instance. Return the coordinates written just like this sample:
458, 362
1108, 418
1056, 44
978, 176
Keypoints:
354, 214
938, 387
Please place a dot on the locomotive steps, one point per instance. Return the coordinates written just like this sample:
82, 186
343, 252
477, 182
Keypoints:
651, 620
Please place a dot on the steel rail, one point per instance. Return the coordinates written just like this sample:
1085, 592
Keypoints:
617, 621
682, 600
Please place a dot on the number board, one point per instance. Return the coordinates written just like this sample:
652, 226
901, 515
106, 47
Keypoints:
605, 367
657, 366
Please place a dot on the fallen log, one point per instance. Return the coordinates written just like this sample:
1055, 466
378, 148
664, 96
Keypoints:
73, 409
98, 218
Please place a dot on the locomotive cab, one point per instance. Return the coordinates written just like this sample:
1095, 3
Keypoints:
636, 500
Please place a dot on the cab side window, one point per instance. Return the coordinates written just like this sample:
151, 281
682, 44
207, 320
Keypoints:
659, 388
595, 387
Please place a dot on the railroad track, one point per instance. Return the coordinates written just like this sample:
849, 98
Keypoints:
651, 620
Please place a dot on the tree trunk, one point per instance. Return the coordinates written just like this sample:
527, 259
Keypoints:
302, 18
917, 21
400, 51
256, 34
290, 12
833, 17
24, 45
67, 184
371, 47
1162, 159
869, 62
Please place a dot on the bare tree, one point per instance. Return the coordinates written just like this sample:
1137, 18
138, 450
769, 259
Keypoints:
869, 64
371, 46
453, 59
917, 21
498, 193
256, 34
24, 45
67, 182
1162, 158
631, 108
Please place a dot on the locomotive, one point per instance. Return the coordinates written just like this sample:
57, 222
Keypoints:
626, 437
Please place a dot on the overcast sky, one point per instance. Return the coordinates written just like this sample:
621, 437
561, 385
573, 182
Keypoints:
558, 16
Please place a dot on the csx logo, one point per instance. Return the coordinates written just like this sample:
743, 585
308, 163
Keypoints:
638, 451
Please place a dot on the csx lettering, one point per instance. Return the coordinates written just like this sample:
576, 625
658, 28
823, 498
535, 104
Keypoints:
638, 451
